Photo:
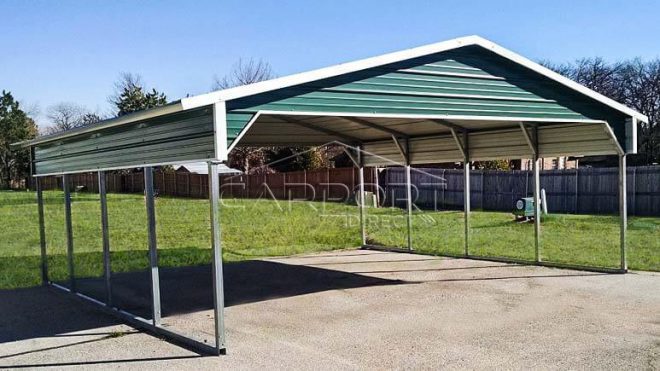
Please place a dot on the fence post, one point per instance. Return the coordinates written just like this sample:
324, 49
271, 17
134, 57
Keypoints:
577, 187
188, 184
634, 191
444, 188
482, 189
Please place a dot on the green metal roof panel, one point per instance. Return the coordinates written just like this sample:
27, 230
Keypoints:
467, 81
179, 137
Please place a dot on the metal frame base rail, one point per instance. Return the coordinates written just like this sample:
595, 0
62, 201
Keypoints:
138, 322
501, 260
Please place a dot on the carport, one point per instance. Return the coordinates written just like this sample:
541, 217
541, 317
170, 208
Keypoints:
461, 100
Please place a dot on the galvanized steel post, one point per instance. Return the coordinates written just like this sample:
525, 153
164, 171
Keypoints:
42, 232
153, 246
361, 204
466, 192
105, 238
537, 209
623, 210
406, 156
409, 205
69, 232
218, 285
466, 203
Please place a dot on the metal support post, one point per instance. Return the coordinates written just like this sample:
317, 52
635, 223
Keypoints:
537, 209
42, 232
69, 231
409, 205
466, 189
153, 247
466, 203
105, 238
623, 210
218, 285
361, 204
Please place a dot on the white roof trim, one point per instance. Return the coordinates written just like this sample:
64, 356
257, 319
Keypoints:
413, 116
344, 68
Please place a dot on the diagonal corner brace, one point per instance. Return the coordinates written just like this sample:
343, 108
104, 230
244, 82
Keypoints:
405, 152
461, 146
531, 142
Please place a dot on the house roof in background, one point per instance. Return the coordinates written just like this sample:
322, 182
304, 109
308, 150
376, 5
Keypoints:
203, 168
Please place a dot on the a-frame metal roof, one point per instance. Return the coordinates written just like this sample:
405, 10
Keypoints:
424, 95
345, 68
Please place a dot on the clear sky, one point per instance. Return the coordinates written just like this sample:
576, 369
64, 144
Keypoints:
53, 51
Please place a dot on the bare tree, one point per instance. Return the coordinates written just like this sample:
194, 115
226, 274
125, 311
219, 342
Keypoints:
634, 83
244, 73
594, 73
66, 116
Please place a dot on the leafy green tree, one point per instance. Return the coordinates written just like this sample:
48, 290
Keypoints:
295, 158
15, 126
493, 165
131, 95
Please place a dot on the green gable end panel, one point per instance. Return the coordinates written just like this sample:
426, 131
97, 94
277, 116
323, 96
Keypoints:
467, 81
180, 137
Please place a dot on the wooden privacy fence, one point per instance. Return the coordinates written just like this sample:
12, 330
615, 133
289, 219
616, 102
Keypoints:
581, 191
576, 191
324, 184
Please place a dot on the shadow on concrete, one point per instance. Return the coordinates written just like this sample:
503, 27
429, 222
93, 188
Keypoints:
42, 312
189, 289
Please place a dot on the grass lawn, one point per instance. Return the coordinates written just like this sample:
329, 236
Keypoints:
257, 228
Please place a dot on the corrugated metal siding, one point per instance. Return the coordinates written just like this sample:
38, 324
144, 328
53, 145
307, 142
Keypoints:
469, 81
554, 140
428, 150
492, 145
383, 153
569, 140
179, 137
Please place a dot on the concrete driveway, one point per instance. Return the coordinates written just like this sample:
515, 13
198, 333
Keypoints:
354, 309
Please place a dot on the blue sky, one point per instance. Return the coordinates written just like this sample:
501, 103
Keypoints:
73, 51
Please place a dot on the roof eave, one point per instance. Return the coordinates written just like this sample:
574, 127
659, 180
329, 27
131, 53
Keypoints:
172, 107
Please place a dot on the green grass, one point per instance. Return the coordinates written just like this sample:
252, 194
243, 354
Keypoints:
257, 228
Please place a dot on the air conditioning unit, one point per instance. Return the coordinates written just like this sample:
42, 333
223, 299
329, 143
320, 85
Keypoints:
524, 209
